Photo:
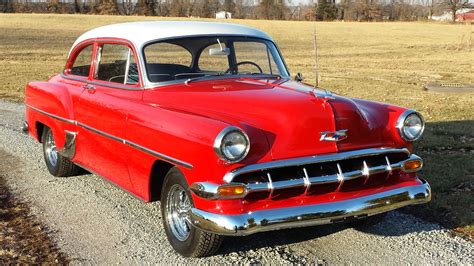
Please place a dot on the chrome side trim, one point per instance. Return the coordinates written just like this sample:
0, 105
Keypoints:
69, 149
107, 135
100, 132
309, 160
159, 155
65, 120
309, 215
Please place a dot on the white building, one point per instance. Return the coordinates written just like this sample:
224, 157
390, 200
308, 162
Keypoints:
448, 16
224, 14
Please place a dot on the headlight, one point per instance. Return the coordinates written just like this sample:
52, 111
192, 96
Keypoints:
232, 144
410, 125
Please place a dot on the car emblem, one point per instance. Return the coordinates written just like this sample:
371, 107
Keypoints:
334, 136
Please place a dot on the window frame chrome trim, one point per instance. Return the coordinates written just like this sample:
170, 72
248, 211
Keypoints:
94, 82
149, 84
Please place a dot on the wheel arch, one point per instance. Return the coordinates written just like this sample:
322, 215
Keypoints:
39, 126
158, 173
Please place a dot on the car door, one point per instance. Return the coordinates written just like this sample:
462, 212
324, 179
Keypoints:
102, 112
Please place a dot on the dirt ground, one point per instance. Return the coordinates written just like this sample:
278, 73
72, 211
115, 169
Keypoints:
22, 238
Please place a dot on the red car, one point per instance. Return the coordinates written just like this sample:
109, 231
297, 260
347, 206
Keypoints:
205, 117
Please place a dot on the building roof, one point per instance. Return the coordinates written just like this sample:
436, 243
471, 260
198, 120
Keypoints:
142, 32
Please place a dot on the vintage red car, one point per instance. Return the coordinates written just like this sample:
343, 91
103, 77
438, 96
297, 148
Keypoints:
205, 117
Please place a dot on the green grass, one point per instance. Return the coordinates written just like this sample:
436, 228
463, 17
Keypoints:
387, 62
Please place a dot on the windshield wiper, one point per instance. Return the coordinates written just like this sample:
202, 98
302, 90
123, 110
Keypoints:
189, 80
265, 75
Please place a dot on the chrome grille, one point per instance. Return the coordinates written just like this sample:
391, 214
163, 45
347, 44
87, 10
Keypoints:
327, 170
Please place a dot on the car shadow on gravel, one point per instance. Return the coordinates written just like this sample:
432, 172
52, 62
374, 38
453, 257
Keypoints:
395, 224
277, 238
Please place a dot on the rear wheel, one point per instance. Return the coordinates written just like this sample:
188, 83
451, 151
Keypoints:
176, 202
57, 164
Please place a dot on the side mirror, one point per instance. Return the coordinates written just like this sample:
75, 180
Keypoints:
299, 77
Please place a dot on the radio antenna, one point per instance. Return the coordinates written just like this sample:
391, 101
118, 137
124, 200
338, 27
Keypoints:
316, 81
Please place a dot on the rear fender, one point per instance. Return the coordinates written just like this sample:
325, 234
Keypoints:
44, 100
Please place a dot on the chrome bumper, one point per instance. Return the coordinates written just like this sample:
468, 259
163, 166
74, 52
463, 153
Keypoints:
309, 215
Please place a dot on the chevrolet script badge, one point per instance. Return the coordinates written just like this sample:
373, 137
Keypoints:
333, 135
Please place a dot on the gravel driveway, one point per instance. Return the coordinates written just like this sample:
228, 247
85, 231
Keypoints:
93, 221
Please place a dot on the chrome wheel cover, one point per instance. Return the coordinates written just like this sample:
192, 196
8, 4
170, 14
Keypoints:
177, 212
50, 150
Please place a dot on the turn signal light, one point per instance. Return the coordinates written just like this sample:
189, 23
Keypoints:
232, 191
412, 165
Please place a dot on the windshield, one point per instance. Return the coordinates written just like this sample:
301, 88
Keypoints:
185, 58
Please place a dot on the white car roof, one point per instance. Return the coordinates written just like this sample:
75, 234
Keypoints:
140, 33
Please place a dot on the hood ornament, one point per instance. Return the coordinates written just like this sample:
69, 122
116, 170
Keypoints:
334, 136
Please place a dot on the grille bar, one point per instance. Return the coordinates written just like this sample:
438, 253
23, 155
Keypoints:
340, 177
229, 177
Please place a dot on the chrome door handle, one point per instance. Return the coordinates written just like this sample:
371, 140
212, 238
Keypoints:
89, 88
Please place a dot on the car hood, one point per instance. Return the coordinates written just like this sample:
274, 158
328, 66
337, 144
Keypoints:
291, 115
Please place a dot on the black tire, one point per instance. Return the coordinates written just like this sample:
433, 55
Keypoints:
368, 221
61, 166
197, 243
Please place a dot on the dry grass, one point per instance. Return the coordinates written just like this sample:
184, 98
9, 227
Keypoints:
387, 62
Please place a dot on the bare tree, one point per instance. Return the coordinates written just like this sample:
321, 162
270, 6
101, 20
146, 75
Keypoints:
127, 7
229, 6
178, 8
108, 7
455, 5
147, 7
239, 10
272, 9
53, 6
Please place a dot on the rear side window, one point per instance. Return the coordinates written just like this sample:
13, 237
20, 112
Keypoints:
117, 64
82, 64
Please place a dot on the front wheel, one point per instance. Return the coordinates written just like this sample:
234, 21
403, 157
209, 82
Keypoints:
176, 203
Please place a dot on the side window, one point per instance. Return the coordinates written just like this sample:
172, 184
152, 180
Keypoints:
115, 63
82, 64
208, 62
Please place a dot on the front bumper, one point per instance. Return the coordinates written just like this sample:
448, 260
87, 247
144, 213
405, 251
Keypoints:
309, 215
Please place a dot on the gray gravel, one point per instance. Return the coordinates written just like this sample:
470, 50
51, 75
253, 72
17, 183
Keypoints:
93, 221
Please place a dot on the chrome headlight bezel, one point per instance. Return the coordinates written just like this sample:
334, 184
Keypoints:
219, 144
401, 125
